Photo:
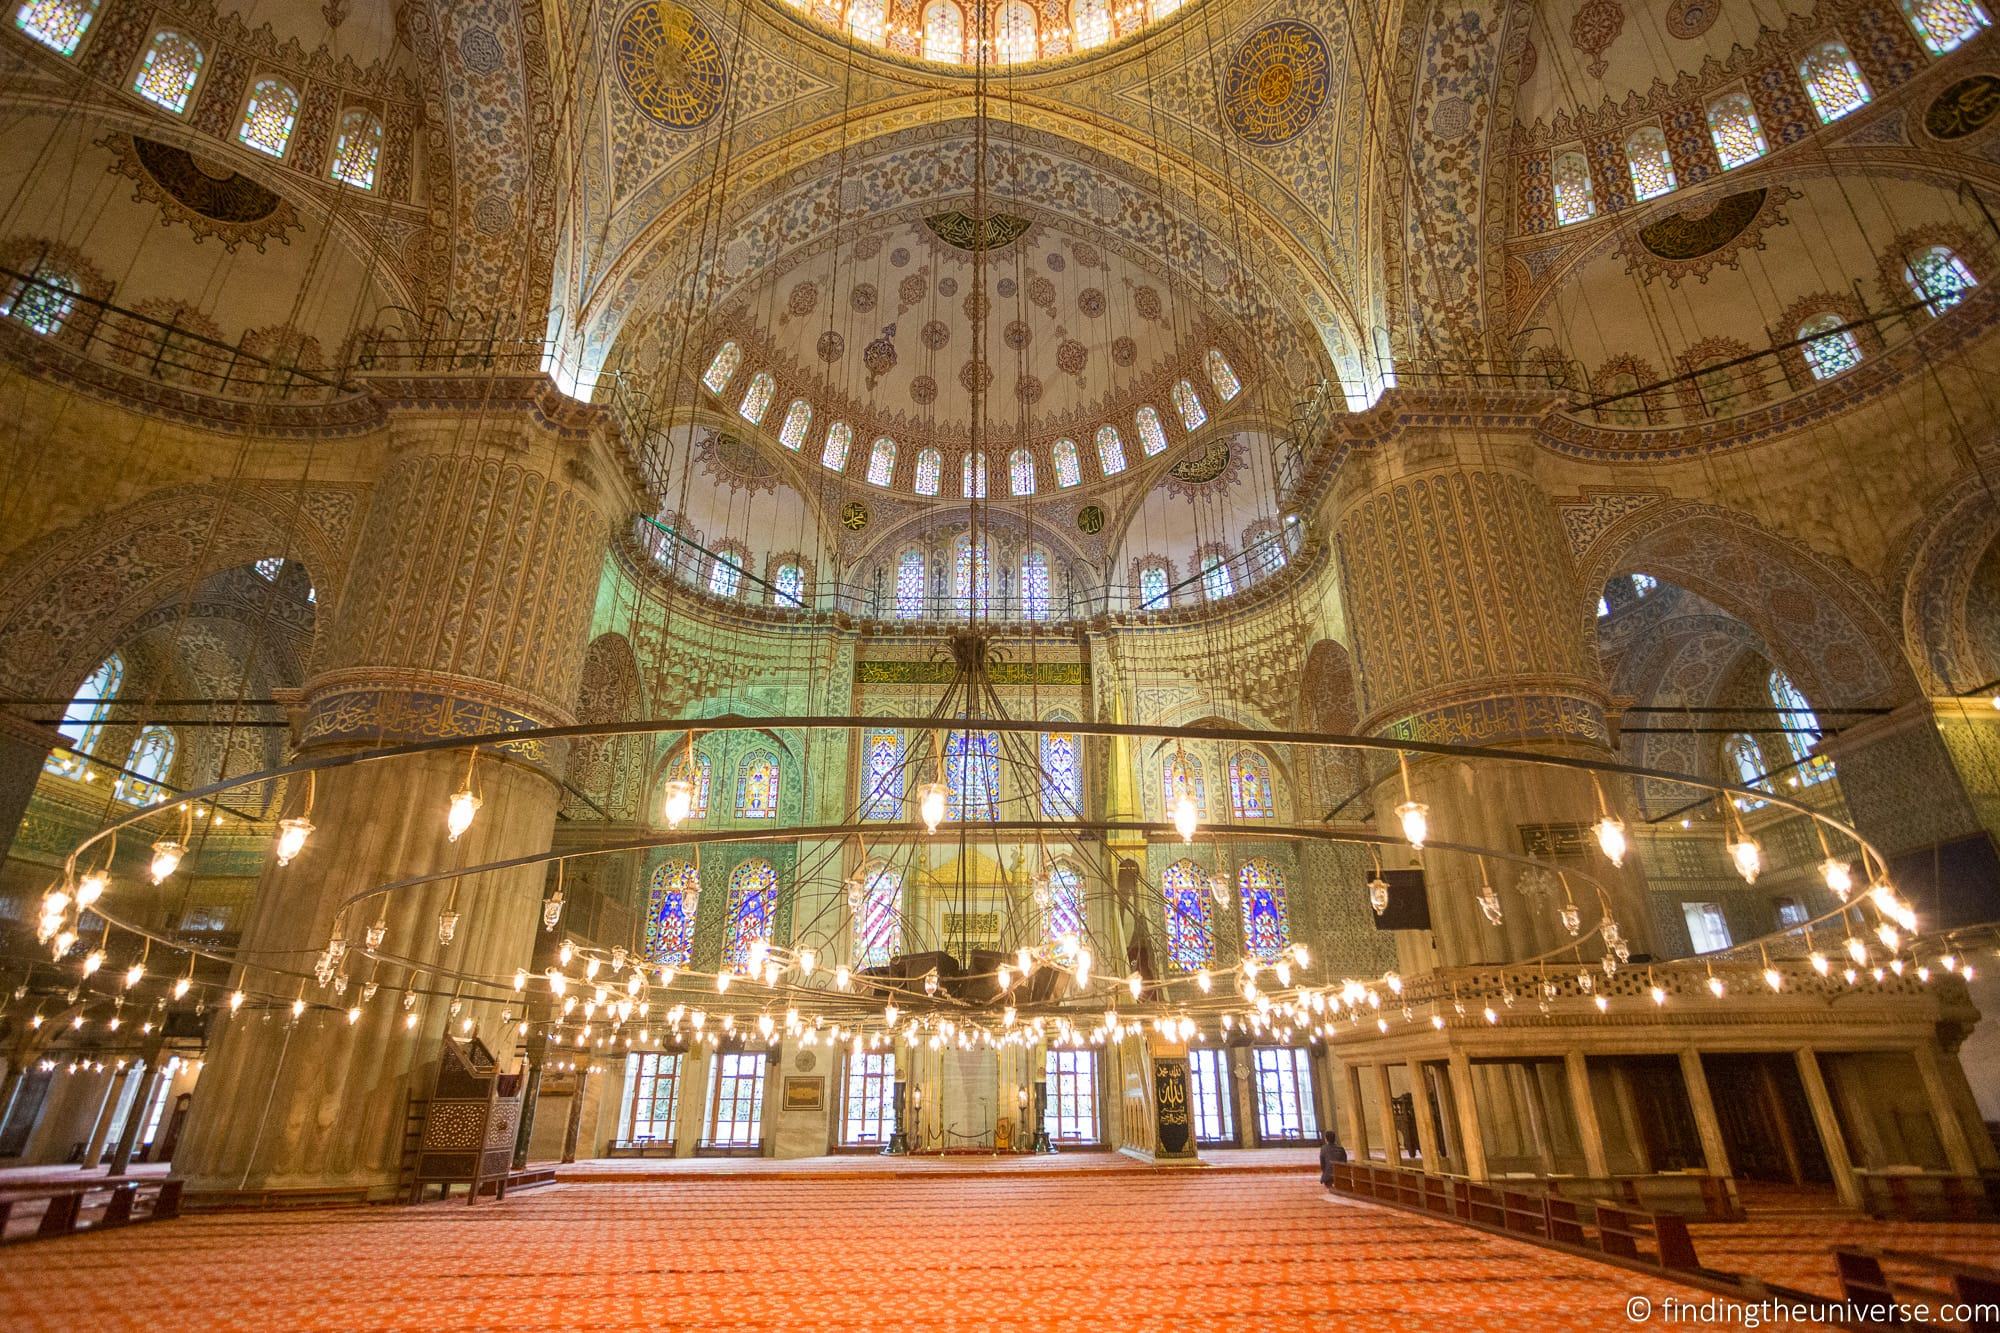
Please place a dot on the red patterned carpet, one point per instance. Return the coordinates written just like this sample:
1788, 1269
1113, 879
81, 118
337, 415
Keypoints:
1148, 1250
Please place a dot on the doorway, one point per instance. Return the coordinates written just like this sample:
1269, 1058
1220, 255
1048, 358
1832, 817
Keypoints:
1767, 1125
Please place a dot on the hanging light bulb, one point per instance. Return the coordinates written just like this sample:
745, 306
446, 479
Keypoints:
354, 1015
1819, 963
1489, 903
1658, 993
1611, 839
134, 975
1857, 951
1083, 967
1135, 983
1301, 956
558, 981
447, 928
1889, 905
91, 887
458, 817
842, 978
1892, 939
1024, 961
1203, 980
591, 967
1572, 917
292, 835
1838, 876
679, 802
552, 910
181, 985
808, 960
1187, 818
1378, 894
377, 933
931, 982
167, 856
565, 953
1746, 856
92, 961
298, 1006
1715, 986
1774, 978
1416, 820
235, 1001
931, 799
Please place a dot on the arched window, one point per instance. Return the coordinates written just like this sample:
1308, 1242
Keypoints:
42, 301
910, 587
864, 20
1216, 580
972, 475
1744, 765
56, 24
1223, 376
83, 721
1732, 124
883, 798
1062, 781
1065, 901
1014, 33
1801, 728
1575, 200
930, 470
1833, 81
722, 368
878, 934
789, 587
146, 766
753, 896
1260, 889
268, 117
671, 897
1069, 472
269, 567
972, 771
1182, 773
1190, 942
839, 439
1090, 22
1643, 584
1021, 472
1249, 785
970, 586
1152, 588
798, 419
1832, 349
703, 771
944, 32
757, 398
1652, 165
358, 151
757, 786
1945, 25
1035, 586
1110, 451
1188, 403
1938, 278
882, 461
1152, 436
168, 70
725, 578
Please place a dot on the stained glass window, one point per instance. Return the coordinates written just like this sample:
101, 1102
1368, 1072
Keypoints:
1091, 22
42, 304
1746, 763
790, 585
1021, 472
757, 786
1644, 583
972, 771
1062, 782
910, 589
798, 419
1945, 25
1216, 580
878, 934
1801, 725
669, 914
1834, 82
1652, 165
883, 798
1188, 403
1110, 451
83, 721
881, 461
168, 71
1222, 375
1576, 201
1732, 124
1182, 773
722, 368
969, 587
1035, 586
358, 151
1249, 785
1065, 901
864, 20
839, 438
56, 24
268, 117
727, 575
1938, 278
1014, 33
753, 895
930, 469
268, 568
1261, 891
944, 32
972, 476
757, 398
1152, 437
1152, 588
703, 770
1069, 471
1190, 942
868, 1112
146, 766
1832, 349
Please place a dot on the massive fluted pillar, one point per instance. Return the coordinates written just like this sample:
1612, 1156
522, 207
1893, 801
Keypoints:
1469, 627
467, 612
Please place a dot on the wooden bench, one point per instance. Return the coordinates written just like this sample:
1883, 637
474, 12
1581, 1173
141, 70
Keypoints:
1916, 1196
1620, 1232
1954, 1282
66, 1207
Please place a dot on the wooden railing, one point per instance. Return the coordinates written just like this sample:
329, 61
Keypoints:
96, 1205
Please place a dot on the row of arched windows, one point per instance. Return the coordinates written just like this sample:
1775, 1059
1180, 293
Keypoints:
1249, 784
927, 476
148, 761
965, 586
1260, 895
972, 770
169, 68
759, 785
1798, 725
1016, 32
1832, 81
786, 588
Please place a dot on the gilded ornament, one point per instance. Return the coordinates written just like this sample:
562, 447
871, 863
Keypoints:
1090, 519
1276, 83
670, 65
854, 516
962, 231
1963, 109
210, 199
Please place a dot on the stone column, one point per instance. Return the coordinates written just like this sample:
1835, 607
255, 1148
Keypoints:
467, 611
1714, 1152
1585, 1103
107, 1115
1469, 627
1944, 1109
1420, 1106
1825, 1119
1385, 1111
1468, 1116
